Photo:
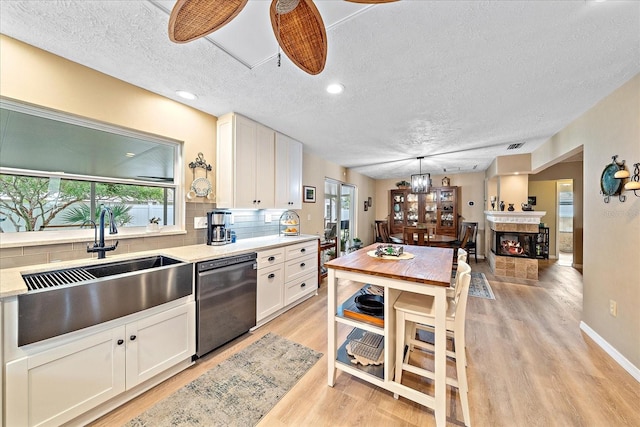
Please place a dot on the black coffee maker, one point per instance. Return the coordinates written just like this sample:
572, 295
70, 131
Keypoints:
218, 232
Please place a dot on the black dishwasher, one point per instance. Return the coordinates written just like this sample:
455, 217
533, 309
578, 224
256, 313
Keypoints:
226, 300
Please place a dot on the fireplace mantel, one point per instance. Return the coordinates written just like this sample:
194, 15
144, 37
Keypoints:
502, 217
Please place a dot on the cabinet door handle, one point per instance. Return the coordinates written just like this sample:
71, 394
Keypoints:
271, 276
303, 250
271, 258
302, 285
302, 264
254, 201
120, 342
132, 337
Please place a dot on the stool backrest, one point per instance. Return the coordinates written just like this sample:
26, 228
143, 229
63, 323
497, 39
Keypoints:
462, 255
463, 279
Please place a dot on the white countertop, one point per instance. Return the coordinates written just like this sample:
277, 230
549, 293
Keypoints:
11, 282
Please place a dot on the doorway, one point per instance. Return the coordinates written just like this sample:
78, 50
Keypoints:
340, 213
565, 214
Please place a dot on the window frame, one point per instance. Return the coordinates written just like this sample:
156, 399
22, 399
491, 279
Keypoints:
52, 237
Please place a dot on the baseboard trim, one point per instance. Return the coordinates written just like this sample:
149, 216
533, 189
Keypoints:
611, 351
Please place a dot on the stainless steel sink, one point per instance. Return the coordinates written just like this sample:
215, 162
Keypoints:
66, 300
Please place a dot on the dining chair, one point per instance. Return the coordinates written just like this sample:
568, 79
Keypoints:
415, 236
417, 311
456, 244
382, 231
471, 245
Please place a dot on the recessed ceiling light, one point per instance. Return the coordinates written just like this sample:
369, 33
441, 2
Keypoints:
186, 95
335, 88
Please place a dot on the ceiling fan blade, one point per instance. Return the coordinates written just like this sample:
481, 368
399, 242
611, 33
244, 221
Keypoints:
192, 19
371, 1
301, 35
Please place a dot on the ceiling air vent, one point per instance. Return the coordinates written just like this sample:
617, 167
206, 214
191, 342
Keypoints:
515, 146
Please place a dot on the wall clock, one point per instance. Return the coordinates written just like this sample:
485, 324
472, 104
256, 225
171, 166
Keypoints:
609, 184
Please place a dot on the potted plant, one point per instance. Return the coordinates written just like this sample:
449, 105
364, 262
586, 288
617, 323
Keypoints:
403, 185
154, 224
357, 243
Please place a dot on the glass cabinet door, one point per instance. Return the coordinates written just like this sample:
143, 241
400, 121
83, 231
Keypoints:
430, 208
412, 209
398, 209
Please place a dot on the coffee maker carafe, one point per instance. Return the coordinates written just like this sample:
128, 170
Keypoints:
218, 232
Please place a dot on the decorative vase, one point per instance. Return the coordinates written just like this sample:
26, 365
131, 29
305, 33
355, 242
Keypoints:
511, 208
501, 205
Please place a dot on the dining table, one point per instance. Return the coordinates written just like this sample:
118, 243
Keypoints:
420, 269
434, 239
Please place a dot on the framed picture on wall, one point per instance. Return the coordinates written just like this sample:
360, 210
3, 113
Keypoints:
308, 194
532, 200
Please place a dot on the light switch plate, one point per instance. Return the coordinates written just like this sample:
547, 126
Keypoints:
200, 222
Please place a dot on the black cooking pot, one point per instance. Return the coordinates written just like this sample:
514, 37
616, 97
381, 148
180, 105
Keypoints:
370, 304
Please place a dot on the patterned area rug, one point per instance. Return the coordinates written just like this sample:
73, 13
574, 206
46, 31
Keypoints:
479, 286
237, 392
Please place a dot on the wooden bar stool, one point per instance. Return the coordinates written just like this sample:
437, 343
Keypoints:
415, 309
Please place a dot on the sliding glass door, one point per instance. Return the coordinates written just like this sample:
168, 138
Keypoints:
340, 213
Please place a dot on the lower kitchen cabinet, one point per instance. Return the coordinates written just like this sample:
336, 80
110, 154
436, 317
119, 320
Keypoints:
269, 298
286, 276
56, 385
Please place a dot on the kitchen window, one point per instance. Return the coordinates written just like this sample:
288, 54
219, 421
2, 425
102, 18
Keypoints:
56, 170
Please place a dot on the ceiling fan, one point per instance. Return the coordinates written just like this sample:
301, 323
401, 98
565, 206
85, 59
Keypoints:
297, 25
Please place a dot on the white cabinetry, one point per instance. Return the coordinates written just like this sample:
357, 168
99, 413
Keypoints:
245, 173
270, 295
286, 276
54, 386
288, 173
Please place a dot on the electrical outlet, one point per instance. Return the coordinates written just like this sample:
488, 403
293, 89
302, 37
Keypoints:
200, 222
613, 308
308, 217
267, 218
232, 220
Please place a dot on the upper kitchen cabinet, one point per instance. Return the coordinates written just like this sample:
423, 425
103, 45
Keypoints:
288, 173
245, 173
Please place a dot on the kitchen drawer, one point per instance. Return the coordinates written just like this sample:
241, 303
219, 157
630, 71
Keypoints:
301, 249
296, 289
270, 257
301, 266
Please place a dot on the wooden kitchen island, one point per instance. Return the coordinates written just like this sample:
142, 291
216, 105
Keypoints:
429, 273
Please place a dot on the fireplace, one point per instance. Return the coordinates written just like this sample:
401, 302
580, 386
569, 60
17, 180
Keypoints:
516, 243
513, 244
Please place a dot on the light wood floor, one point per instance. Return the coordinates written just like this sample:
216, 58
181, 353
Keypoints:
528, 365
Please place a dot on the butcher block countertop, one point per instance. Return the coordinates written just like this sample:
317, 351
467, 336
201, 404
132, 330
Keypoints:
11, 282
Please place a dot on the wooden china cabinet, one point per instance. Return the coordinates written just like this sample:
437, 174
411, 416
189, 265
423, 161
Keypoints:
439, 207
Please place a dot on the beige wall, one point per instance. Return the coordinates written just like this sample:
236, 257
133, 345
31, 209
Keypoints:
573, 171
314, 172
365, 188
611, 230
471, 190
513, 189
34, 76
30, 75
545, 192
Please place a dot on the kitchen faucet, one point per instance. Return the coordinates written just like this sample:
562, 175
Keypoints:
98, 246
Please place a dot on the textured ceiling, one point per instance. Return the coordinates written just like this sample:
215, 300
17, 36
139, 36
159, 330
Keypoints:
454, 81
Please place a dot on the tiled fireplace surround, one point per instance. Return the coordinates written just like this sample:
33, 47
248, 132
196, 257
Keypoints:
518, 222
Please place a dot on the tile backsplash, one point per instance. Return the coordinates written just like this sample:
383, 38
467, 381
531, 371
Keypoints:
246, 224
